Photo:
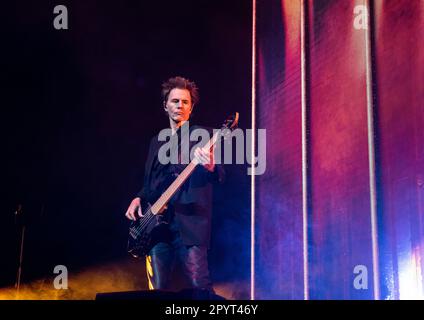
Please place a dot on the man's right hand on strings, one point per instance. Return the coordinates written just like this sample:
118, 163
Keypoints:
135, 206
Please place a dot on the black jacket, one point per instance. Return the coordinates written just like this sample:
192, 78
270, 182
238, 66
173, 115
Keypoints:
191, 206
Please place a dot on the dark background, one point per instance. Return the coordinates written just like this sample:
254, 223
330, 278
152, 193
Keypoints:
79, 107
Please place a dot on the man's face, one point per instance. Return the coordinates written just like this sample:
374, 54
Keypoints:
179, 105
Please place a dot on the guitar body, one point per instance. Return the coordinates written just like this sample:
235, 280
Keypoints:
146, 231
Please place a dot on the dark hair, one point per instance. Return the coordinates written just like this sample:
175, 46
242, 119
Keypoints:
180, 83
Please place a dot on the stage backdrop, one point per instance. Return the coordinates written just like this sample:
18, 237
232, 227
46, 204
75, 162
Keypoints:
340, 207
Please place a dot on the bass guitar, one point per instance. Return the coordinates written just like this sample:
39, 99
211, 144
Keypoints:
144, 232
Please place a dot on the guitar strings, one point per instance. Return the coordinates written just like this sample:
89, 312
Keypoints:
150, 215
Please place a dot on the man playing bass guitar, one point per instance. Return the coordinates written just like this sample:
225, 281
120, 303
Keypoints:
188, 213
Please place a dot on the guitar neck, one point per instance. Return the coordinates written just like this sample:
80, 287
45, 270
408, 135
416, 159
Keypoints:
178, 182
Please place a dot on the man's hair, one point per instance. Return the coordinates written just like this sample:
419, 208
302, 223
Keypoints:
180, 83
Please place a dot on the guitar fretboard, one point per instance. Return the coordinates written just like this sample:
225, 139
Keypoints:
182, 177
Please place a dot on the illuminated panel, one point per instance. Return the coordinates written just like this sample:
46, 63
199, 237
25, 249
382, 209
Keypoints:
343, 108
340, 208
399, 29
279, 244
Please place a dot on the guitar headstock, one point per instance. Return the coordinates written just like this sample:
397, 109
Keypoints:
230, 123
227, 127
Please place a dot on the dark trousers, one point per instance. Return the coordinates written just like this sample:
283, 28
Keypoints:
193, 261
